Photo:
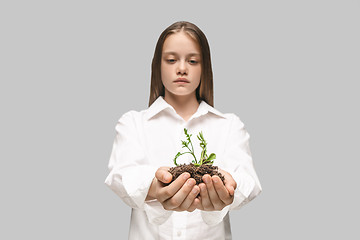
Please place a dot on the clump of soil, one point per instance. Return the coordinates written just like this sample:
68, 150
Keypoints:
195, 172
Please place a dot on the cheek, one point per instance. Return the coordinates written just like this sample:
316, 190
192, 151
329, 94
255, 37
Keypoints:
198, 73
165, 71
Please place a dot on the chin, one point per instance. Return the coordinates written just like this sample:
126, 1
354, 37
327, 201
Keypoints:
182, 93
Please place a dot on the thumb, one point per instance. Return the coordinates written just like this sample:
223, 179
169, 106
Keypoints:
163, 175
166, 177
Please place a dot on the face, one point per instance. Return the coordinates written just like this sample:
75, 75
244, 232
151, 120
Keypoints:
181, 58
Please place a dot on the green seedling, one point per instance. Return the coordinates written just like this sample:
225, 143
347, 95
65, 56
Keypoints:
204, 158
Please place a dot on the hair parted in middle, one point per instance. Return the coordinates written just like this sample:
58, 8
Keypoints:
205, 89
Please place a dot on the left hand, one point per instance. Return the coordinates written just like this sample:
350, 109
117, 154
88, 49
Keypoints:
214, 195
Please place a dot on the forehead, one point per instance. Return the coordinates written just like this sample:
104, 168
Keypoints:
181, 43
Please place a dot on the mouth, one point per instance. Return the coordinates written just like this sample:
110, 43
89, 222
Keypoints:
181, 80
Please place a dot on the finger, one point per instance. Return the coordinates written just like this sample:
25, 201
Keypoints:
214, 198
205, 199
169, 191
230, 183
192, 207
190, 198
190, 203
198, 203
230, 189
163, 175
221, 190
180, 196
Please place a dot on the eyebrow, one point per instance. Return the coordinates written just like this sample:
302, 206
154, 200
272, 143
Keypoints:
174, 53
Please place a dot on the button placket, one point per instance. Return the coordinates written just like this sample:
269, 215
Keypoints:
179, 231
179, 136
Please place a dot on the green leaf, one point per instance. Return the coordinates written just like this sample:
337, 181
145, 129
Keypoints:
211, 157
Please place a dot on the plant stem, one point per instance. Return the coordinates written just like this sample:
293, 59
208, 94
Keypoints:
192, 152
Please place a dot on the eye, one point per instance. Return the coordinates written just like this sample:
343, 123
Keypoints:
193, 62
170, 60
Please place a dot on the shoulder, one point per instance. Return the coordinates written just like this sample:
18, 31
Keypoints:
232, 118
228, 117
234, 123
132, 115
131, 119
238, 131
235, 119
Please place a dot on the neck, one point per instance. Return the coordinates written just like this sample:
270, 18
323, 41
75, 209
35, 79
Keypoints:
185, 106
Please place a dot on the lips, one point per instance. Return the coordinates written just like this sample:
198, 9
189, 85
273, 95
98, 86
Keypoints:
182, 80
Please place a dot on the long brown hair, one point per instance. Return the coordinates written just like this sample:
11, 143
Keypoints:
205, 89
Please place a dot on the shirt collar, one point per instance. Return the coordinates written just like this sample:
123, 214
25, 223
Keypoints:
160, 105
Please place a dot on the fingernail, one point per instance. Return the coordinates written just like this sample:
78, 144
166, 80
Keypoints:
215, 179
195, 190
186, 176
206, 180
190, 182
167, 178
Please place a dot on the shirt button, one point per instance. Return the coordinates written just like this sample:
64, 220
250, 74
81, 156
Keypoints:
179, 233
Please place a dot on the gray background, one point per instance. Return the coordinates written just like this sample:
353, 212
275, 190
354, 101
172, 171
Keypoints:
70, 69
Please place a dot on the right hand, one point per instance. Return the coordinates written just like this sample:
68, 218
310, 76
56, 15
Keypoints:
180, 195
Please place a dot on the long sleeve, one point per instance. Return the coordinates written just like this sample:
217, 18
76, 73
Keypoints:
238, 162
131, 174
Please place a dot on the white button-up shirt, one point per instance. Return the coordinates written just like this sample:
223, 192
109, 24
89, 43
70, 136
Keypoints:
149, 139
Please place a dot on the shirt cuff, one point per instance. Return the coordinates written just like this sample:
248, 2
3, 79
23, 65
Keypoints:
214, 217
137, 184
245, 184
137, 181
155, 212
244, 187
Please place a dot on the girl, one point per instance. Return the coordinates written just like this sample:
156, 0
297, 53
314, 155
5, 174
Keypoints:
181, 96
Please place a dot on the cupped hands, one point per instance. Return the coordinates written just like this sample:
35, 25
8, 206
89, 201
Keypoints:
183, 195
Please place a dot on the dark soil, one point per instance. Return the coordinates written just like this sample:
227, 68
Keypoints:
195, 172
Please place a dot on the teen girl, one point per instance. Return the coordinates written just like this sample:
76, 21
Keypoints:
181, 96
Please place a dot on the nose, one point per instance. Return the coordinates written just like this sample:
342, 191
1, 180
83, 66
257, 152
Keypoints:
181, 69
